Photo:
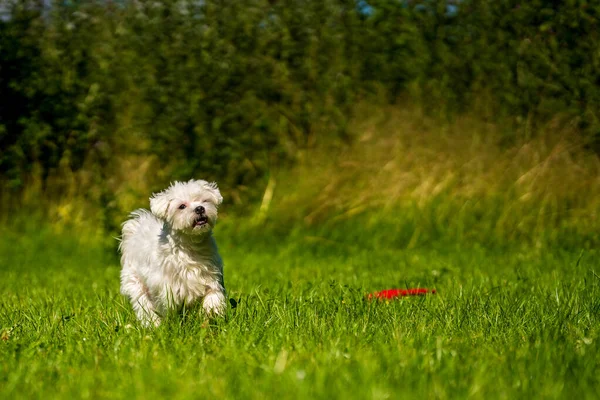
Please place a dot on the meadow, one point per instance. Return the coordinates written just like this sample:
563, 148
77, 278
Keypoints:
506, 234
504, 324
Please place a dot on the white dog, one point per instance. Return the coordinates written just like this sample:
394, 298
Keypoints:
169, 257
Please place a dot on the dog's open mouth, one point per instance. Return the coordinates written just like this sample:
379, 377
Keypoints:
201, 221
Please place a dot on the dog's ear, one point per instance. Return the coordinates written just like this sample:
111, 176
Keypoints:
214, 190
159, 204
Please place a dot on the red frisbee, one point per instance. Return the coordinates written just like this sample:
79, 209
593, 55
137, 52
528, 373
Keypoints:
389, 294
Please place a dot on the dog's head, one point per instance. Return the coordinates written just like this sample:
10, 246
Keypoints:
190, 207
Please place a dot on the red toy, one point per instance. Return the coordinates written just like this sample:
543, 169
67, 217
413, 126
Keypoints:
393, 293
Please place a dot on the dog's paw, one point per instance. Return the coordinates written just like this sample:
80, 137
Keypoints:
150, 321
214, 303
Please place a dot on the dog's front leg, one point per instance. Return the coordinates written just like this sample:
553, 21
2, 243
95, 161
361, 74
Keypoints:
132, 287
145, 311
215, 299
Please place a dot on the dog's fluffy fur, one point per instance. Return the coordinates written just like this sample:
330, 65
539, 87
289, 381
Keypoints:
169, 257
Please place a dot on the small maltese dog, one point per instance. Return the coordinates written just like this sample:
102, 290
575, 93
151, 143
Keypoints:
169, 257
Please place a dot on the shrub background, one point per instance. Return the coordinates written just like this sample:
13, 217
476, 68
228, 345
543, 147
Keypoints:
98, 93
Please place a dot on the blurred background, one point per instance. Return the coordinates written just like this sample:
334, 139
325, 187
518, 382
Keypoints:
434, 120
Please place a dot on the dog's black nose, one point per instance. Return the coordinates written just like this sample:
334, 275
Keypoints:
199, 210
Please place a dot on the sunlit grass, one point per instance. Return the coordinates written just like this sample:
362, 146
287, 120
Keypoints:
504, 324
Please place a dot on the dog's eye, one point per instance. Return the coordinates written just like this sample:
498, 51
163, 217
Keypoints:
181, 207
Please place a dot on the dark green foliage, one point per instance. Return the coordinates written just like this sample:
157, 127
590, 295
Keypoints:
535, 58
225, 90
219, 89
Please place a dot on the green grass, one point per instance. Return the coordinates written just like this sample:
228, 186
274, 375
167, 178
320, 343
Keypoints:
520, 322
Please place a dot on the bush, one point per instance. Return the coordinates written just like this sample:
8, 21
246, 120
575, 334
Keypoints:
96, 93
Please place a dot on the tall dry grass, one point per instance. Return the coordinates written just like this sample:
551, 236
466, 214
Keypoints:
466, 180
409, 176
